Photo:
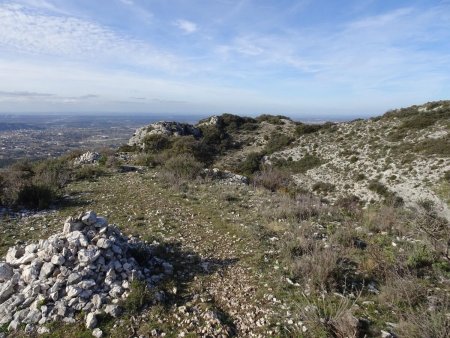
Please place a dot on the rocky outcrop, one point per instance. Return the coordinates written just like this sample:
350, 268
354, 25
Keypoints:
88, 267
163, 128
88, 157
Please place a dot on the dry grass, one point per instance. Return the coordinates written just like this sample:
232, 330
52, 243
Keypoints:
273, 179
332, 317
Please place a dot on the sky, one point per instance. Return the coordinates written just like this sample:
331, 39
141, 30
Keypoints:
296, 58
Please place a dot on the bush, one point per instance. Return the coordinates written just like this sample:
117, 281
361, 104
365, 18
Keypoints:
420, 257
277, 142
447, 176
33, 185
138, 297
53, 172
273, 179
148, 160
183, 167
251, 164
272, 119
379, 188
36, 196
306, 163
88, 172
232, 123
155, 143
303, 129
323, 187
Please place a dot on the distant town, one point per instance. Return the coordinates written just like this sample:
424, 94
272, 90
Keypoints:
44, 136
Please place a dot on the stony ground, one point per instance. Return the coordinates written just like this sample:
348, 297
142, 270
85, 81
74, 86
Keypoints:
251, 262
218, 287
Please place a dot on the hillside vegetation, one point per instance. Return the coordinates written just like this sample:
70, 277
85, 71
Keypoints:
342, 231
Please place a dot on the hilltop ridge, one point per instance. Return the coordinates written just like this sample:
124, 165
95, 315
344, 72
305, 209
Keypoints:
248, 227
403, 153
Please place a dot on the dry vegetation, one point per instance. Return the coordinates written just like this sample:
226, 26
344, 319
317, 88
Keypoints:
273, 258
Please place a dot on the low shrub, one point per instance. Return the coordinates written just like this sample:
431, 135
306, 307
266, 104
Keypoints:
251, 164
148, 160
277, 142
138, 297
306, 163
323, 187
88, 172
272, 119
155, 143
303, 129
273, 179
36, 196
33, 185
181, 168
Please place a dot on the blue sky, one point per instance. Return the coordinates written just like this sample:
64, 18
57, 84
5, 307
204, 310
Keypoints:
212, 56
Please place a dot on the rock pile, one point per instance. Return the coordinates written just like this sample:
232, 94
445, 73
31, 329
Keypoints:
226, 177
88, 267
163, 128
88, 157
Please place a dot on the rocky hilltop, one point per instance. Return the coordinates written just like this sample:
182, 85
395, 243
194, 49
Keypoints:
403, 154
235, 226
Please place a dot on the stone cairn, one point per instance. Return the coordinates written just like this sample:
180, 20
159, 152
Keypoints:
88, 267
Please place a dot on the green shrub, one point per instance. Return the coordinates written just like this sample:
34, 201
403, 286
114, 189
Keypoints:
273, 179
35, 196
233, 123
420, 257
447, 176
306, 163
155, 143
138, 297
88, 172
303, 129
251, 164
354, 159
53, 172
379, 188
183, 167
323, 187
272, 119
439, 146
33, 185
148, 160
360, 177
277, 142
103, 159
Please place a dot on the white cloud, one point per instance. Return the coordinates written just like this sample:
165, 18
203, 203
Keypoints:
127, 2
70, 83
188, 27
30, 32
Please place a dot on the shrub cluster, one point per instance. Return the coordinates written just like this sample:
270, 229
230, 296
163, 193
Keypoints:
33, 185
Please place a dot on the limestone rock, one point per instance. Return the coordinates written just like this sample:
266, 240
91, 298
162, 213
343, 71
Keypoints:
97, 333
6, 272
87, 158
87, 267
46, 270
113, 310
163, 128
89, 218
91, 321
